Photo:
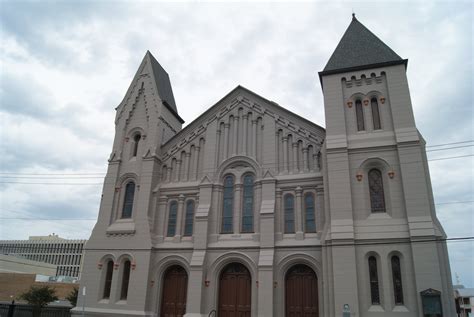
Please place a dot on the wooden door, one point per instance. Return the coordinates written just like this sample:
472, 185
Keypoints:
235, 291
175, 285
301, 292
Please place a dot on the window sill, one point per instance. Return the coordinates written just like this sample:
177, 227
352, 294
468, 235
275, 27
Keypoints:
122, 302
122, 226
104, 301
379, 215
376, 309
400, 309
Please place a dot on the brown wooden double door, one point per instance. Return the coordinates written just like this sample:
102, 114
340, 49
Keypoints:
235, 291
175, 286
301, 292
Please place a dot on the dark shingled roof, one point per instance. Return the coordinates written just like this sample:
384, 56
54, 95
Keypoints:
163, 84
358, 49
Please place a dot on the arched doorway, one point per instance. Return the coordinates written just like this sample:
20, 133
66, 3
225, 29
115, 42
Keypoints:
235, 291
173, 298
301, 292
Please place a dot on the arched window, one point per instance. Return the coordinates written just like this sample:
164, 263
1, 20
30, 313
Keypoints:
108, 279
189, 219
397, 280
228, 207
310, 223
377, 199
289, 204
374, 281
247, 210
128, 200
375, 113
136, 140
125, 280
360, 116
172, 217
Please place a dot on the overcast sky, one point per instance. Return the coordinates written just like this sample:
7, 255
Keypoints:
65, 66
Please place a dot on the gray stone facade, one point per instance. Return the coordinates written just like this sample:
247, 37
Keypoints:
289, 160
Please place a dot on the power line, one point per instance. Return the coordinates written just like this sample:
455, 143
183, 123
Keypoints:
452, 143
450, 148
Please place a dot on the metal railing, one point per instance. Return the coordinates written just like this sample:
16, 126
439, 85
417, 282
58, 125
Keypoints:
23, 310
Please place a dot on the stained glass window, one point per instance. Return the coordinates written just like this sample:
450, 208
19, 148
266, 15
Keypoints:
374, 281
128, 200
136, 140
172, 219
289, 206
228, 206
125, 280
377, 199
310, 222
360, 116
375, 113
397, 280
108, 279
247, 210
188, 222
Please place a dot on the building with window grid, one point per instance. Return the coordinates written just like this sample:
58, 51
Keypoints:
65, 253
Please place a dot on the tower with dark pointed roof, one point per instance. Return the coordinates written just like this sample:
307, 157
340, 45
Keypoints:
379, 187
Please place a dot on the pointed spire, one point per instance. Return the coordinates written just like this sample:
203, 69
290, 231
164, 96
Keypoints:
162, 80
358, 49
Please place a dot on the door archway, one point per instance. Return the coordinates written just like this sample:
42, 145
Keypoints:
235, 291
174, 293
301, 292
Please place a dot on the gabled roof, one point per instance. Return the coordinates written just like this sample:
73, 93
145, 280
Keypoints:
162, 80
360, 49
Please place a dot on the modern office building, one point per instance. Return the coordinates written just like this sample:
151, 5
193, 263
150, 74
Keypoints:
252, 210
66, 254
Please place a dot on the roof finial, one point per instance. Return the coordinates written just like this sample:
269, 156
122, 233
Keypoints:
353, 15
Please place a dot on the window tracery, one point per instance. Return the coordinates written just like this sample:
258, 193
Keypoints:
377, 199
228, 205
289, 207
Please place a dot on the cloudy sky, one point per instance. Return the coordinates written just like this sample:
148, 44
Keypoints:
65, 66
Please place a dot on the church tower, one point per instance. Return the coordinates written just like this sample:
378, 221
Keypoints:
383, 230
120, 245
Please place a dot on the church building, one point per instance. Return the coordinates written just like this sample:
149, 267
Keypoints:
252, 210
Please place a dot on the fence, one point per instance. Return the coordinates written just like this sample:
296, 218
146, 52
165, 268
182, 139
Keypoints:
21, 310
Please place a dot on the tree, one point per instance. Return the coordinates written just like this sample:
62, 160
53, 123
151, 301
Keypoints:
72, 296
38, 297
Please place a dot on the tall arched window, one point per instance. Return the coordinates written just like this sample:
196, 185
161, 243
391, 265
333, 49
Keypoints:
374, 281
310, 222
377, 199
125, 280
136, 140
247, 210
189, 219
128, 200
375, 113
108, 279
228, 205
360, 116
289, 205
397, 280
172, 218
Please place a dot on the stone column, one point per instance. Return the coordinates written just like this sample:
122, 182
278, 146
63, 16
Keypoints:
177, 171
160, 219
218, 145
319, 209
305, 160
298, 214
277, 152
179, 218
226, 140
285, 154
187, 163
295, 157
235, 136
254, 138
237, 211
278, 216
196, 162
168, 173
244, 134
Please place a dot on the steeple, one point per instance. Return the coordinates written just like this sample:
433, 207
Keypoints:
359, 49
